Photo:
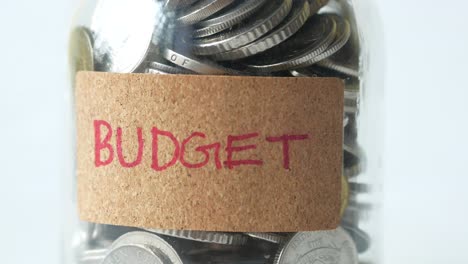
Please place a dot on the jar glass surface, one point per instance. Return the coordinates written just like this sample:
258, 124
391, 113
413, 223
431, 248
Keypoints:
280, 38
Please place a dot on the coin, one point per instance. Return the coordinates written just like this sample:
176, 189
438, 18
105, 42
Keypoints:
156, 67
194, 64
337, 66
226, 19
309, 42
176, 4
149, 240
318, 71
128, 254
359, 187
354, 205
316, 5
361, 238
342, 36
252, 29
122, 38
334, 246
293, 22
204, 236
270, 237
201, 10
351, 94
80, 51
350, 107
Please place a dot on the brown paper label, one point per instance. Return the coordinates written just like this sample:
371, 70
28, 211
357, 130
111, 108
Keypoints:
209, 152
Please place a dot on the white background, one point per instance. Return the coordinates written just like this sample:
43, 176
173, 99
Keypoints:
426, 179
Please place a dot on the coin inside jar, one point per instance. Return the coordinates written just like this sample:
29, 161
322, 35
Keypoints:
291, 24
270, 237
334, 246
204, 236
228, 18
128, 254
309, 42
250, 30
149, 240
201, 10
123, 50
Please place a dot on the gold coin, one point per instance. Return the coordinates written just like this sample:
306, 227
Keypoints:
344, 194
80, 51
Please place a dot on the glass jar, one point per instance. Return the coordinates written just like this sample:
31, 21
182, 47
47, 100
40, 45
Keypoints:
280, 39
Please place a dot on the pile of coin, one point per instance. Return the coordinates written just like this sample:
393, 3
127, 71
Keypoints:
290, 38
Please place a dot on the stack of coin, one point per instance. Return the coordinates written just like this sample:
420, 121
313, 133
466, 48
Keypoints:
291, 38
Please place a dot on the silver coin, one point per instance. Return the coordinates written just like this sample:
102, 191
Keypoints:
252, 29
270, 237
343, 33
316, 5
339, 67
318, 71
151, 240
359, 187
358, 206
193, 64
361, 238
204, 236
201, 10
177, 4
309, 42
351, 94
292, 23
351, 106
129, 254
227, 19
156, 71
155, 67
334, 246
123, 36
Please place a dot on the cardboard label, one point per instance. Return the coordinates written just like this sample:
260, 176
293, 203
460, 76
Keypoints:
217, 153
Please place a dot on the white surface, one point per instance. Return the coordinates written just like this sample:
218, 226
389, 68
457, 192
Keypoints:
33, 74
426, 197
427, 178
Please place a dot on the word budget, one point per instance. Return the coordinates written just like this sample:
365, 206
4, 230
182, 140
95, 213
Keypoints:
108, 148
